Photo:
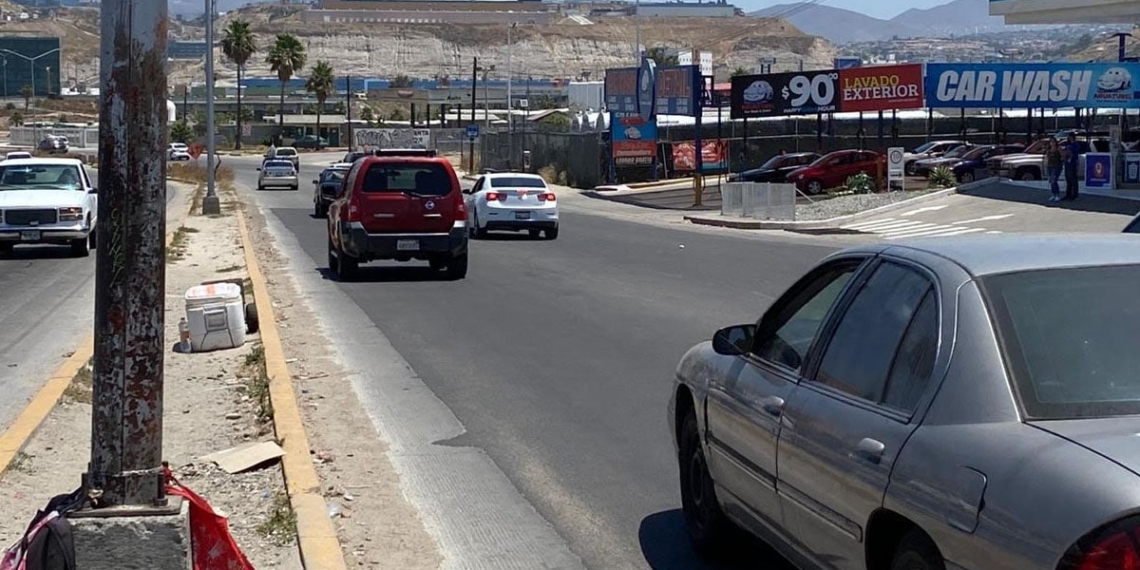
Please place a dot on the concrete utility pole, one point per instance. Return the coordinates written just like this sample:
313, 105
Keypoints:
130, 278
211, 205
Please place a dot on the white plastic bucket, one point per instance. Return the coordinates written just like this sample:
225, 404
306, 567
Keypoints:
216, 315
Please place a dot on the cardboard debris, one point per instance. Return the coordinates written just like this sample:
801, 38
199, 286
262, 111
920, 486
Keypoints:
245, 457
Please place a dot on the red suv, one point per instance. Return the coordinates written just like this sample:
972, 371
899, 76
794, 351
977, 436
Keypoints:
401, 208
831, 170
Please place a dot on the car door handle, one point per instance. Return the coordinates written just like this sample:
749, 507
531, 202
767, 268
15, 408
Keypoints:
774, 405
870, 450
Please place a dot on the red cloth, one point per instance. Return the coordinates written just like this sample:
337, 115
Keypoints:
211, 543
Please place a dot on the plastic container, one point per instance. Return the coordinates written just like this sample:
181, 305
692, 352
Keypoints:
216, 315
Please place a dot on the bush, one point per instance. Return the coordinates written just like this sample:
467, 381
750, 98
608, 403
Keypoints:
942, 177
861, 183
549, 173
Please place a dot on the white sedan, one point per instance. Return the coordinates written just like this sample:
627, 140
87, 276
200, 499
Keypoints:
512, 201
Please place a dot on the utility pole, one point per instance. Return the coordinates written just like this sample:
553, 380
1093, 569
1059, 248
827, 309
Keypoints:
348, 110
637, 33
211, 205
471, 143
125, 469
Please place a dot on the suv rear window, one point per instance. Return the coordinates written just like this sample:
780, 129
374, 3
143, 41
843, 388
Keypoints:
517, 182
1069, 339
419, 178
286, 152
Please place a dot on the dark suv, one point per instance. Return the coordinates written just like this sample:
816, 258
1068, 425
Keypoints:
401, 208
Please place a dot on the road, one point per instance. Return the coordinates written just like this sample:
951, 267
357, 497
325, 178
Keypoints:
557, 357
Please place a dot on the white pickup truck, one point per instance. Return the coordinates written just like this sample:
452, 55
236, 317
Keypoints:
1030, 165
47, 201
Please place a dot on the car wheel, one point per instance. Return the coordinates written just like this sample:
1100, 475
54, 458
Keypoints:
260, 187
1027, 175
480, 232
457, 267
92, 242
5, 248
79, 247
966, 177
814, 187
708, 527
344, 265
251, 323
917, 552
551, 233
909, 168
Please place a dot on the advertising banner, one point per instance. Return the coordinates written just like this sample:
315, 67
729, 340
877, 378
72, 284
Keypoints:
881, 88
1032, 85
621, 90
679, 90
392, 138
672, 90
714, 156
634, 141
781, 94
1098, 170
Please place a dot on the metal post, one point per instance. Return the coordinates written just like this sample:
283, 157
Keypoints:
471, 141
130, 295
186, 103
510, 70
637, 33
348, 109
211, 205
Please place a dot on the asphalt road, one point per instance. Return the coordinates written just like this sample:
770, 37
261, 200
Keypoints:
557, 357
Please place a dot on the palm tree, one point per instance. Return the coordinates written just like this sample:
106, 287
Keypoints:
285, 57
26, 93
238, 44
321, 82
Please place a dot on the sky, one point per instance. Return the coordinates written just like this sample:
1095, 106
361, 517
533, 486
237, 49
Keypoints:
885, 9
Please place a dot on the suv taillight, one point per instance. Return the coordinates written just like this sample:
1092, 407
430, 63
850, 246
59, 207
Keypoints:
353, 209
1113, 547
460, 215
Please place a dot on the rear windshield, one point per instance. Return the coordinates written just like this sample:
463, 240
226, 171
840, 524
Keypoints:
286, 152
419, 178
517, 182
279, 164
1070, 339
335, 175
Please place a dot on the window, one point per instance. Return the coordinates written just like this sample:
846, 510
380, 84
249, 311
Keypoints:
53, 176
517, 182
858, 357
785, 334
419, 178
915, 359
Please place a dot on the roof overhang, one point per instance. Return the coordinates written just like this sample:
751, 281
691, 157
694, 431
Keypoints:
1017, 12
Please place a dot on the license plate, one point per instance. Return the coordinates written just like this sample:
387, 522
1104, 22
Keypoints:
408, 245
30, 235
522, 215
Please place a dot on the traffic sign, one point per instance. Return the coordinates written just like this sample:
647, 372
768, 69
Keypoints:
472, 132
896, 174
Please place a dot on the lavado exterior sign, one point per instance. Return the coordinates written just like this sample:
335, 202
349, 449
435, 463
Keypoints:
1033, 85
881, 88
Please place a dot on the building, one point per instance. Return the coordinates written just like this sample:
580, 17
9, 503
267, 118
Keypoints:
31, 61
719, 9
1066, 11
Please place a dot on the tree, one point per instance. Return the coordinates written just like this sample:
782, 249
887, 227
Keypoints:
239, 45
285, 57
27, 94
181, 132
16, 119
739, 71
367, 116
401, 82
321, 83
661, 57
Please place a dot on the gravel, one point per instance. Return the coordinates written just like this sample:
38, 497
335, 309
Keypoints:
846, 204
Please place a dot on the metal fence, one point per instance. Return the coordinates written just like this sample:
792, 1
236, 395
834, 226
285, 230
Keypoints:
77, 137
574, 159
758, 200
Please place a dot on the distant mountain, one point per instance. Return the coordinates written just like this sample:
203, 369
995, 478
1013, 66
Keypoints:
959, 17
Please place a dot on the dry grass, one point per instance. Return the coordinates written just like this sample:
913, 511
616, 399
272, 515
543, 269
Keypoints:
195, 173
79, 391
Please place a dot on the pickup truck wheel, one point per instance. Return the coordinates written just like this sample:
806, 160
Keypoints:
1027, 175
966, 177
457, 267
92, 243
709, 529
79, 247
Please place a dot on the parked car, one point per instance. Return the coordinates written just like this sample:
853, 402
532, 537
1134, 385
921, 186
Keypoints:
1030, 165
352, 156
326, 186
400, 208
832, 170
311, 142
285, 153
932, 149
972, 166
54, 144
178, 152
17, 154
961, 402
277, 173
512, 201
47, 201
776, 169
924, 166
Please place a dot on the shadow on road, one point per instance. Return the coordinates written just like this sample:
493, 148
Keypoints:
40, 252
389, 274
1086, 202
665, 544
509, 237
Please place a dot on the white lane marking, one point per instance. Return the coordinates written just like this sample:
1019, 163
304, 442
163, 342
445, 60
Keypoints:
905, 230
926, 209
932, 228
994, 232
986, 219
960, 231
889, 226
864, 224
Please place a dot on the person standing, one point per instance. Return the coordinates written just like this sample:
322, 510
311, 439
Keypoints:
1054, 161
1072, 153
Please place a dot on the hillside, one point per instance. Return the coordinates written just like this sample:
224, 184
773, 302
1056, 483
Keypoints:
959, 17
78, 28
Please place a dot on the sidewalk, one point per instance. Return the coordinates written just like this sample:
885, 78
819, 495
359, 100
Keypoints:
212, 402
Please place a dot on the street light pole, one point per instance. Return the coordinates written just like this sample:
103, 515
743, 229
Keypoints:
637, 33
211, 205
510, 69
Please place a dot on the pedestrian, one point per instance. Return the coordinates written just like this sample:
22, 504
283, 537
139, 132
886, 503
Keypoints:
1072, 153
1054, 160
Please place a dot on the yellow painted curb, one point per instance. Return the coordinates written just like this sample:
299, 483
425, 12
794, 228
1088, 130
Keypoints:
25, 425
316, 535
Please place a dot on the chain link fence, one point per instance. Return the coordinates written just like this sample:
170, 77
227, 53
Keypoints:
758, 200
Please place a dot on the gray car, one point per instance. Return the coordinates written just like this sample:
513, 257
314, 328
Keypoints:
958, 403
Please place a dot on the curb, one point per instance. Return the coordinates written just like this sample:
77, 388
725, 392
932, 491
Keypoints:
13, 440
316, 536
829, 224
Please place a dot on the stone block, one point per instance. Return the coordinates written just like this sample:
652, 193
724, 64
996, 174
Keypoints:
133, 541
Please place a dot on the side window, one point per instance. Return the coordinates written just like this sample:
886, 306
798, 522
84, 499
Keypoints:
914, 362
787, 331
478, 185
859, 356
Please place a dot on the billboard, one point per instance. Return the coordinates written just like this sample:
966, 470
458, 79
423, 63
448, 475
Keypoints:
634, 140
847, 62
714, 156
621, 90
780, 94
678, 90
881, 88
30, 61
1032, 85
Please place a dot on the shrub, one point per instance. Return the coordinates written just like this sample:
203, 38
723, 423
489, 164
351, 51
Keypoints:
942, 177
549, 173
861, 183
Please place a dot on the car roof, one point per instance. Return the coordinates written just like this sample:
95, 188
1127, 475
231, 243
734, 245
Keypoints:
373, 159
43, 162
1007, 253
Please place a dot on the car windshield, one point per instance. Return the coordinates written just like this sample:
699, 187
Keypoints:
1069, 339
773, 162
923, 148
975, 153
40, 176
517, 182
419, 179
958, 152
279, 164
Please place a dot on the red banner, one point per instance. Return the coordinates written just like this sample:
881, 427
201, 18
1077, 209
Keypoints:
881, 88
714, 156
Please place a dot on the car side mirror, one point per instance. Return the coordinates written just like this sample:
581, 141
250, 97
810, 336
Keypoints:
733, 341
93, 191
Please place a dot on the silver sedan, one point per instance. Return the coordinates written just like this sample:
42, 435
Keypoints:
958, 403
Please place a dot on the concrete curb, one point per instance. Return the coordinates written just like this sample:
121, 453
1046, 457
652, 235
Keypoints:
808, 225
316, 536
13, 440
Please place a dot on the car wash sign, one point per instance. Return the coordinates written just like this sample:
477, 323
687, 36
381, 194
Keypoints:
1033, 85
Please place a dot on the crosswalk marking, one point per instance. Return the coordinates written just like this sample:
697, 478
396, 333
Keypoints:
921, 210
925, 229
881, 228
986, 219
861, 225
902, 227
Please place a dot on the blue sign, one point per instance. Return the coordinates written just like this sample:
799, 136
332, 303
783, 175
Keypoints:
1098, 170
1032, 85
634, 130
621, 90
848, 62
472, 132
679, 90
647, 89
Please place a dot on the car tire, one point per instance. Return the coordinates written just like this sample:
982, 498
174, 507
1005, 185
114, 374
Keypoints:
344, 266
917, 552
709, 529
1027, 175
815, 187
550, 234
478, 231
966, 177
252, 325
260, 187
909, 169
80, 247
5, 248
457, 267
92, 241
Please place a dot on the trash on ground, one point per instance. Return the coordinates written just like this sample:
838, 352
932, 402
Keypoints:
245, 457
